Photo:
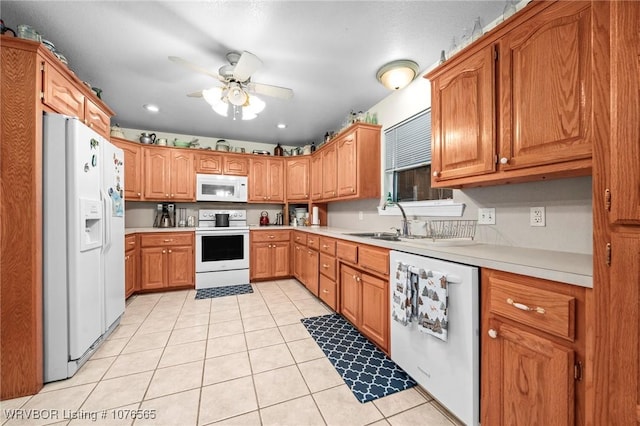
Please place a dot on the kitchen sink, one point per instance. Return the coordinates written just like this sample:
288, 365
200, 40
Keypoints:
388, 236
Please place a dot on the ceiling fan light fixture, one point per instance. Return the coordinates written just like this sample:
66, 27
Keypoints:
221, 108
213, 95
236, 95
397, 74
254, 105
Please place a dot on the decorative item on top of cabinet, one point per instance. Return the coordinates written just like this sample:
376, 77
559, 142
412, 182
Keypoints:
266, 180
132, 168
532, 329
542, 132
167, 260
297, 178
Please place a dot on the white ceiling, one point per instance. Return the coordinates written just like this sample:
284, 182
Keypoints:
328, 52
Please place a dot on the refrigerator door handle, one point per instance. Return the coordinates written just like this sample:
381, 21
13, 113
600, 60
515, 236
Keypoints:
106, 203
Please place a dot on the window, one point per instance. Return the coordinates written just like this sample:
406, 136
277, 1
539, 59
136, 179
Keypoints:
408, 160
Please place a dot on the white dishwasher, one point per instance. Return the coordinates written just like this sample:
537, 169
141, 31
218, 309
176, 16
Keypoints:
449, 370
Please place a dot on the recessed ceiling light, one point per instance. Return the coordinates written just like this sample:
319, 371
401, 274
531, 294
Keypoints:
282, 126
151, 107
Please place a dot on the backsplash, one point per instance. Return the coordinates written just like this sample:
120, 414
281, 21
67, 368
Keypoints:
567, 202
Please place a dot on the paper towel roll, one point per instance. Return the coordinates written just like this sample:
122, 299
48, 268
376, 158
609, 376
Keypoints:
315, 217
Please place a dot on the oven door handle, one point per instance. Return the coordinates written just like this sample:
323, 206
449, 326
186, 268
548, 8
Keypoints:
228, 231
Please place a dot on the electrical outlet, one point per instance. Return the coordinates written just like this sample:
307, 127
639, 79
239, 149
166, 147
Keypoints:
487, 216
537, 216
361, 215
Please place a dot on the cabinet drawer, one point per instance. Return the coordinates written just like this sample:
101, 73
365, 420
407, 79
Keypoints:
374, 259
313, 241
166, 239
347, 251
544, 310
328, 266
328, 246
130, 242
300, 238
328, 292
266, 236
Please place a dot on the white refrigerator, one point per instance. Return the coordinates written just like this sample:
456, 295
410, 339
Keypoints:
83, 243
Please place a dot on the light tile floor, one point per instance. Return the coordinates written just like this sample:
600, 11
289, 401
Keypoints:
236, 360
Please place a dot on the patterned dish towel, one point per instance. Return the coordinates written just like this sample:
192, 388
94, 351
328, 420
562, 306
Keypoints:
433, 304
401, 307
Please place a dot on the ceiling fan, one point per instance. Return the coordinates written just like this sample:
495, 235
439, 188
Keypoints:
237, 94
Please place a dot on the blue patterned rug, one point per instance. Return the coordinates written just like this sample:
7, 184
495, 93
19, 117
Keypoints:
230, 290
368, 372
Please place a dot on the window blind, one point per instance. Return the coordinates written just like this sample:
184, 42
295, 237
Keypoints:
408, 144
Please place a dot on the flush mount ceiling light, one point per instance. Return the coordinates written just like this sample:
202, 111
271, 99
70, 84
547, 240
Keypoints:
233, 101
151, 108
281, 126
397, 74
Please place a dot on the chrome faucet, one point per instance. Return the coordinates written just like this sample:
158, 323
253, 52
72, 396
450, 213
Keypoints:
404, 229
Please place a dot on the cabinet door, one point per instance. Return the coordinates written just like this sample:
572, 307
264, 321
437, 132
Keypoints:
153, 267
61, 95
347, 165
130, 267
462, 111
311, 273
545, 88
258, 180
316, 177
235, 166
95, 118
276, 181
182, 176
261, 260
132, 169
527, 378
280, 259
375, 310
298, 262
181, 266
350, 294
157, 167
209, 163
329, 172
298, 179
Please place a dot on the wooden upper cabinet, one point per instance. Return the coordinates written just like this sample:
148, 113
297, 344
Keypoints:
316, 177
235, 165
266, 180
462, 119
157, 172
545, 84
329, 172
60, 94
96, 118
132, 168
298, 178
517, 105
209, 163
347, 164
182, 176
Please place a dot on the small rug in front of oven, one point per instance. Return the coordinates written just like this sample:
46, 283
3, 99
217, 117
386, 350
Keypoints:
368, 372
229, 290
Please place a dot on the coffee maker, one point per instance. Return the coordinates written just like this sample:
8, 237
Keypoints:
165, 216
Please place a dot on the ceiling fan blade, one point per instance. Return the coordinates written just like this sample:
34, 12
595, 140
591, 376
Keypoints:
193, 66
195, 94
247, 65
272, 91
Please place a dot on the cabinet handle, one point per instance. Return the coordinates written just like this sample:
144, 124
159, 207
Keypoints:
126, 258
164, 251
297, 248
525, 307
169, 251
139, 194
325, 266
166, 195
272, 236
325, 291
436, 173
504, 160
353, 189
309, 252
492, 333
358, 279
131, 242
334, 193
171, 195
264, 198
169, 240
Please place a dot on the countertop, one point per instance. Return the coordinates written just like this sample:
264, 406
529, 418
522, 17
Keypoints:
569, 268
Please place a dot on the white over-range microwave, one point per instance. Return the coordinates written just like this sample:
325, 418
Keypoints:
221, 188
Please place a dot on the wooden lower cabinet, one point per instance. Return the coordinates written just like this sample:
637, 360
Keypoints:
167, 260
269, 260
364, 301
130, 265
328, 292
532, 351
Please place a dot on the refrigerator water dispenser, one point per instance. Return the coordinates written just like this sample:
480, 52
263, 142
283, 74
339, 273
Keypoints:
91, 223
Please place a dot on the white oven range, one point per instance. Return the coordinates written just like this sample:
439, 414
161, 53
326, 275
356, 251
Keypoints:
222, 252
